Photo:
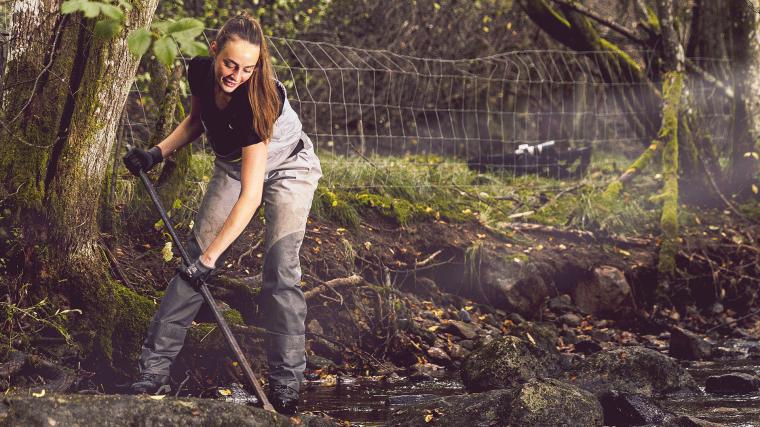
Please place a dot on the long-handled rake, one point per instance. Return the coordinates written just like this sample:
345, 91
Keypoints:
231, 341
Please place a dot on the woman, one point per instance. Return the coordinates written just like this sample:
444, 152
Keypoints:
262, 155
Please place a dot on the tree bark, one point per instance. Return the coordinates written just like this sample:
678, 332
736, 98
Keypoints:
574, 30
65, 92
745, 56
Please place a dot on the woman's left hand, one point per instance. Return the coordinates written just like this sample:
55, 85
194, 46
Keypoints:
196, 272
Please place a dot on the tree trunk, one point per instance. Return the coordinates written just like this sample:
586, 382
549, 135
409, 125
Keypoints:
745, 57
66, 90
577, 32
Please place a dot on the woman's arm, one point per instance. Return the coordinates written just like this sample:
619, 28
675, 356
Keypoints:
252, 186
186, 132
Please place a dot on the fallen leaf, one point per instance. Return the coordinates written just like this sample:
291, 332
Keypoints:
40, 394
158, 397
428, 418
225, 392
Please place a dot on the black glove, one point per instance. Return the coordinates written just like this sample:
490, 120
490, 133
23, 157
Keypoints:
195, 273
138, 159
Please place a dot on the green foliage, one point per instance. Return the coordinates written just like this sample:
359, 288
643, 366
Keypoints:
169, 38
112, 17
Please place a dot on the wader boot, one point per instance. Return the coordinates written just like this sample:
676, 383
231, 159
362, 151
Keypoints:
290, 181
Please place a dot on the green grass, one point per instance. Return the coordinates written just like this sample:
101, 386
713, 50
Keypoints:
425, 188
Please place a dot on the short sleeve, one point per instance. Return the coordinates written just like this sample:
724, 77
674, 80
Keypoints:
197, 71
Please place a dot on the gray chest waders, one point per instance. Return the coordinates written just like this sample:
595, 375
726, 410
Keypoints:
289, 185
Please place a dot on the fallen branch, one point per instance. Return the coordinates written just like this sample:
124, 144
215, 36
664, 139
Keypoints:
354, 280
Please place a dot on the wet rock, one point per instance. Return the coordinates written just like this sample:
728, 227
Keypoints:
318, 362
461, 329
601, 336
587, 347
543, 335
511, 285
438, 355
570, 319
538, 402
85, 410
633, 369
562, 304
515, 318
605, 294
733, 383
542, 402
457, 352
506, 362
464, 316
688, 345
628, 409
237, 394
568, 336
467, 344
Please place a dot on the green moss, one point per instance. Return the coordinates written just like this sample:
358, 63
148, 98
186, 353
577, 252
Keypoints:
328, 205
672, 87
132, 317
620, 54
233, 317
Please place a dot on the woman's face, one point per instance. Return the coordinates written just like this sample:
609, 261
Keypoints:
235, 63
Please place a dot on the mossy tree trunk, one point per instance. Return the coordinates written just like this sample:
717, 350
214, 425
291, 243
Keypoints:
65, 92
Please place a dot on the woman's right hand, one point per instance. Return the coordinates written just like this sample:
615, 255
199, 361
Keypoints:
138, 159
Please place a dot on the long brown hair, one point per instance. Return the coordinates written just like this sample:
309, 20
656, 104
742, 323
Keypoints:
262, 92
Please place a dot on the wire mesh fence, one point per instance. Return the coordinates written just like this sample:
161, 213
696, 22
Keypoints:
533, 111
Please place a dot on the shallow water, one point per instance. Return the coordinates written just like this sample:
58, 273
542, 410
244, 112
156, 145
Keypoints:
366, 402
738, 410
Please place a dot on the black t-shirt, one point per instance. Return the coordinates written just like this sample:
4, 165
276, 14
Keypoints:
230, 129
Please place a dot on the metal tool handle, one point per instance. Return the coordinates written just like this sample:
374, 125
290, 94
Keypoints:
231, 341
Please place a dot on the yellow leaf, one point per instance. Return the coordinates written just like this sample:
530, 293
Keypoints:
754, 188
428, 418
158, 397
367, 245
40, 394
433, 328
334, 203
225, 392
167, 252
466, 211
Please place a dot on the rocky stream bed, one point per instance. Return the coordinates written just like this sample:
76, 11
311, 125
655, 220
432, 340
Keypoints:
443, 324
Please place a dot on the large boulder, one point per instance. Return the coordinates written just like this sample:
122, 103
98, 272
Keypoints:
634, 369
539, 402
513, 285
605, 294
543, 335
506, 362
544, 402
115, 411
627, 409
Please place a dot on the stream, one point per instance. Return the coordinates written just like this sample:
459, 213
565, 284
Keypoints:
367, 401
